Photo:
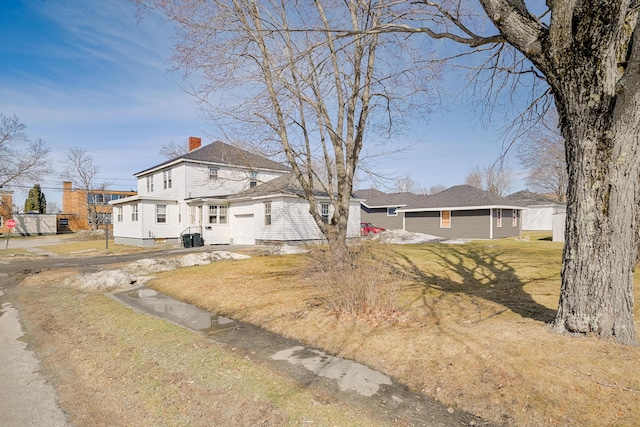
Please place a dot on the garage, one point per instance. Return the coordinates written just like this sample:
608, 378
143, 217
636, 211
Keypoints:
243, 230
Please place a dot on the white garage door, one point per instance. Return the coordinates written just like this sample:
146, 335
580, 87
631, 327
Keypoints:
243, 233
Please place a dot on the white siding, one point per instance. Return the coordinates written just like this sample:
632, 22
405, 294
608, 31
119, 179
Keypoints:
126, 227
291, 220
539, 218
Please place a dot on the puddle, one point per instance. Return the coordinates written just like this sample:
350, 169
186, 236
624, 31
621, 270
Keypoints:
358, 383
163, 306
348, 374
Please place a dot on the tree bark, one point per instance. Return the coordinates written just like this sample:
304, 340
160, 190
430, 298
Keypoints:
590, 57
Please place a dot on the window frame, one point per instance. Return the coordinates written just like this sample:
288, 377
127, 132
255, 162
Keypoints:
166, 179
150, 184
119, 215
324, 207
499, 217
218, 214
213, 173
268, 218
134, 212
445, 222
392, 211
514, 220
253, 179
164, 214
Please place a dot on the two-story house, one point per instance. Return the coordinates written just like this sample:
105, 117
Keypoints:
223, 194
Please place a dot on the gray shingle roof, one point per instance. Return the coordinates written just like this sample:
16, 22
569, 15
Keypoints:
377, 199
527, 198
460, 196
224, 154
285, 184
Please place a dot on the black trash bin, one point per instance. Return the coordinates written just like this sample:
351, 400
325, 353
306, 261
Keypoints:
187, 240
197, 240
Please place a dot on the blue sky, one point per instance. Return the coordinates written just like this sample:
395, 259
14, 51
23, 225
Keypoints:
90, 74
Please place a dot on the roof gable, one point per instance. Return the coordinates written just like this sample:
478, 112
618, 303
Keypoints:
223, 154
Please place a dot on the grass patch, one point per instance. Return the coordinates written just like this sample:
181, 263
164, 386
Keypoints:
115, 366
473, 332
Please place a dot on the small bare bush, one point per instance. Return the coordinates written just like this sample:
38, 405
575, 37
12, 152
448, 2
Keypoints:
363, 285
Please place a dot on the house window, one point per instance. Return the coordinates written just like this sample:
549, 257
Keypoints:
119, 215
498, 217
166, 179
516, 214
150, 184
253, 179
267, 213
2, 221
218, 214
445, 219
213, 214
161, 213
392, 212
213, 173
222, 217
324, 212
134, 213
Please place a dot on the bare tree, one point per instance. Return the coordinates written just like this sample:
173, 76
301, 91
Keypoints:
306, 77
81, 170
172, 150
21, 159
427, 191
405, 184
493, 178
544, 156
587, 53
475, 177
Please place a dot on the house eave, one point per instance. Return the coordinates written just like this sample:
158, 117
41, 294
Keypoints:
201, 162
138, 198
460, 208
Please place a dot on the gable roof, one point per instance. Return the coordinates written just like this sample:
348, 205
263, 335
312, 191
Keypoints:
377, 199
527, 198
459, 197
285, 184
219, 153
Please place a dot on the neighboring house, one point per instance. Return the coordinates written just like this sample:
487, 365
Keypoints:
463, 212
75, 207
6, 203
222, 194
540, 210
381, 208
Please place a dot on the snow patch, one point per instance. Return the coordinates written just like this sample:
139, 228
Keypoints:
138, 272
403, 237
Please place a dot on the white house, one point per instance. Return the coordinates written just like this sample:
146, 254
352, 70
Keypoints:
221, 195
540, 210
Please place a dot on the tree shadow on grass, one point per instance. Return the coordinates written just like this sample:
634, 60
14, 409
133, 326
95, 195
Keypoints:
482, 273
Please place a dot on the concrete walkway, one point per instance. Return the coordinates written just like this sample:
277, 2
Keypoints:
26, 399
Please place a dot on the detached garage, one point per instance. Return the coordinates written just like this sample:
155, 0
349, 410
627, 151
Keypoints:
463, 212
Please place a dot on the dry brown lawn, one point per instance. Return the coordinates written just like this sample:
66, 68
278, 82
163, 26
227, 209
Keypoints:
472, 329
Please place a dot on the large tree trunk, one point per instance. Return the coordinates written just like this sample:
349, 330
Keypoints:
600, 118
600, 250
590, 55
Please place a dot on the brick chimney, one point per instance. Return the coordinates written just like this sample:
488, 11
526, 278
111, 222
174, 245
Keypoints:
194, 142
